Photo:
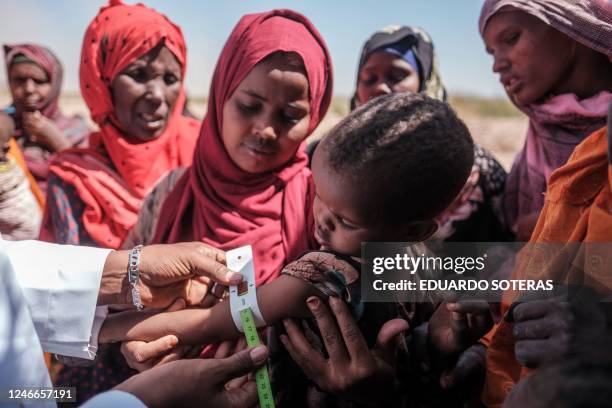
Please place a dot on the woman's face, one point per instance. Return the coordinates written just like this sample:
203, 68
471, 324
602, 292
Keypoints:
267, 116
30, 86
384, 73
531, 58
145, 92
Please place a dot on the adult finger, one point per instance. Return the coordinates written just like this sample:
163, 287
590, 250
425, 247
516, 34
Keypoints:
469, 307
210, 262
225, 349
533, 329
531, 310
198, 288
141, 352
310, 361
388, 339
329, 330
531, 353
243, 396
178, 304
353, 338
240, 364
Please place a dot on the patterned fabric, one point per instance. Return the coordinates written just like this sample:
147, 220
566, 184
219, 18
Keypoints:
114, 174
475, 215
20, 214
578, 209
334, 274
560, 123
220, 204
420, 43
38, 155
587, 21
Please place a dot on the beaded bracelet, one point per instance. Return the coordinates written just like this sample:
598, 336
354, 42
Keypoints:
134, 276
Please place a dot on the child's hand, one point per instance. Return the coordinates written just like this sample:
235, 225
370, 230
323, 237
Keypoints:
456, 326
44, 130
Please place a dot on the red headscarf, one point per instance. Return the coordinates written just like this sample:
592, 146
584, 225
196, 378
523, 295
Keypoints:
114, 175
220, 204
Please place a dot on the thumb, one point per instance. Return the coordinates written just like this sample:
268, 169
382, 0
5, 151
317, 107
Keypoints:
241, 363
178, 304
388, 337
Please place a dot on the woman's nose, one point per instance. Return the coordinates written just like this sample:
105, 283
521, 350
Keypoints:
29, 86
155, 92
500, 63
382, 88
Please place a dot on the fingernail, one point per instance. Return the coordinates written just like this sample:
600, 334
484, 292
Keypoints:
313, 302
173, 341
259, 354
234, 278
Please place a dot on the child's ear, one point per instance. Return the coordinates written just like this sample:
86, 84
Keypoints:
418, 231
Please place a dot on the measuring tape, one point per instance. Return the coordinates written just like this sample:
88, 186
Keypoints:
246, 314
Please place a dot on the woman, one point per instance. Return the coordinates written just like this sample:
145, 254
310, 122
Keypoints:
132, 67
131, 80
554, 63
41, 129
553, 60
249, 183
402, 59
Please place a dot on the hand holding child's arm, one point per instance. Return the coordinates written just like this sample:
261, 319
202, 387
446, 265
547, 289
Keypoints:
201, 326
456, 326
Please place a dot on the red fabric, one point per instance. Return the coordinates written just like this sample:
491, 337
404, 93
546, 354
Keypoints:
114, 175
220, 204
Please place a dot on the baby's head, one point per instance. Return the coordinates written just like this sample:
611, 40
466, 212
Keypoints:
386, 170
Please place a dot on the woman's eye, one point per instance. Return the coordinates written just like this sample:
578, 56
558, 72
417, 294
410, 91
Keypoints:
290, 117
369, 80
170, 79
512, 38
41, 81
137, 74
248, 109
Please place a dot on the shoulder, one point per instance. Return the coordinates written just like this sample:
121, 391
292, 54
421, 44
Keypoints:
492, 174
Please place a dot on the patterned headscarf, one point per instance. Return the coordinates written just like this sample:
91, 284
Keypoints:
410, 39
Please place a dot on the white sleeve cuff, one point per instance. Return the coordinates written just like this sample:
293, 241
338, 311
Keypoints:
114, 398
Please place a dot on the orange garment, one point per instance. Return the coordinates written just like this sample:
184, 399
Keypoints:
15, 152
577, 209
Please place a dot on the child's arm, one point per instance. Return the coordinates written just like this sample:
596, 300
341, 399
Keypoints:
284, 297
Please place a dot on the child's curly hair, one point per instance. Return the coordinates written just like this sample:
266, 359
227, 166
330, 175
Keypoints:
409, 150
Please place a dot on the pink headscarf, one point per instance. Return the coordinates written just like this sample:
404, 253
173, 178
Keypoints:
559, 124
220, 204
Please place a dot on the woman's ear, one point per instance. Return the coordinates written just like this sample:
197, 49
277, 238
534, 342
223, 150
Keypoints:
418, 231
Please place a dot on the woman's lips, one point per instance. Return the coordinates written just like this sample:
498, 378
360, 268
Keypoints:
258, 152
151, 121
511, 84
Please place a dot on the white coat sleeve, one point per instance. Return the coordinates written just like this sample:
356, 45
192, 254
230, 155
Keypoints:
114, 398
60, 284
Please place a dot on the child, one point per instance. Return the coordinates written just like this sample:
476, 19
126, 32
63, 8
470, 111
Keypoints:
20, 213
358, 198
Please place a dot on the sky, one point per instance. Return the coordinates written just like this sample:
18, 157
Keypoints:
345, 25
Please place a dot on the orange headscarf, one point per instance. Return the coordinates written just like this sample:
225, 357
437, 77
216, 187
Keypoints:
114, 175
577, 209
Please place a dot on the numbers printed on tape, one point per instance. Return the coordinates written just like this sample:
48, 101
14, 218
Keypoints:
262, 379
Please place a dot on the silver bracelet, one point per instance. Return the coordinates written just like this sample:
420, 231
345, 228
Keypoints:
134, 276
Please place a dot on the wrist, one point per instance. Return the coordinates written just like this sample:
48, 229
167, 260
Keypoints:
115, 288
